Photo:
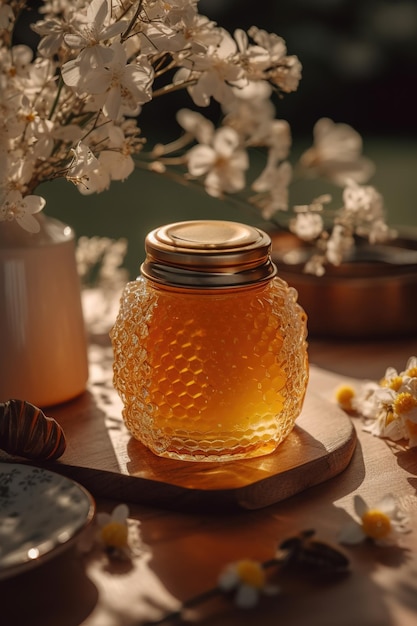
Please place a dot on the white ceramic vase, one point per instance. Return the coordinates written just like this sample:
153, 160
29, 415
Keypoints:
43, 345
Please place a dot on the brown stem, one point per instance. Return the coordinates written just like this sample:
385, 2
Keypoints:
126, 33
171, 88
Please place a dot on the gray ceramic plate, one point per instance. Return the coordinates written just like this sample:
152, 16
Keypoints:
41, 514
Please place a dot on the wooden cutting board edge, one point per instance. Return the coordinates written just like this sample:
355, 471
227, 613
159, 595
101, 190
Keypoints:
169, 489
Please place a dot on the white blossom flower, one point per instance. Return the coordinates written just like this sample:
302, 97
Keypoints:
96, 180
337, 154
82, 165
364, 210
315, 265
272, 43
41, 79
284, 71
256, 58
248, 580
339, 244
278, 140
196, 124
110, 165
307, 225
16, 61
275, 177
14, 206
52, 32
125, 86
198, 30
157, 35
6, 17
383, 524
215, 72
72, 108
118, 164
223, 163
274, 180
362, 200
254, 120
89, 37
38, 130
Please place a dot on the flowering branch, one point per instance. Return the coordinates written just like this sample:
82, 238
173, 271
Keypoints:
72, 109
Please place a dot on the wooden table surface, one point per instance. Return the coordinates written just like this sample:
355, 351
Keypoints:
177, 555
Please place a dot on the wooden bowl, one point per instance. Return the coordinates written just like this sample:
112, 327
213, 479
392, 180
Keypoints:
373, 295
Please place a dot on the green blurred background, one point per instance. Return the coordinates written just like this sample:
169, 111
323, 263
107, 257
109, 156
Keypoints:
359, 66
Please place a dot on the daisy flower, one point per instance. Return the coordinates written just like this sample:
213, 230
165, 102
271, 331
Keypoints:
381, 524
389, 407
248, 580
113, 531
345, 395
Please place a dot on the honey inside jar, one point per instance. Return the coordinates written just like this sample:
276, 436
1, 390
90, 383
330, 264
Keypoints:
215, 374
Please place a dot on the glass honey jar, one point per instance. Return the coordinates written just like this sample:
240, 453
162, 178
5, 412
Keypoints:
210, 351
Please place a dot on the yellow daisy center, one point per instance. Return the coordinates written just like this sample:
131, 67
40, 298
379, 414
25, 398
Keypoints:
395, 383
376, 524
114, 535
412, 372
404, 403
251, 573
344, 396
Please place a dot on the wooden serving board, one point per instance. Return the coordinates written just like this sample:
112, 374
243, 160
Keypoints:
103, 457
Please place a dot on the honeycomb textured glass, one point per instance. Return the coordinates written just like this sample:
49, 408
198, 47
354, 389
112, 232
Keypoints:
213, 375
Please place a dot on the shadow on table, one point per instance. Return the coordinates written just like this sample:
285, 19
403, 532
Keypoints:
188, 552
92, 423
407, 460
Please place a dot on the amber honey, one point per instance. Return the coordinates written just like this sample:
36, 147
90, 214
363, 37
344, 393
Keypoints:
214, 373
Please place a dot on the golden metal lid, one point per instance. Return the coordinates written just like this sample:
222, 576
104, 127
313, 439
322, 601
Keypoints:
208, 254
